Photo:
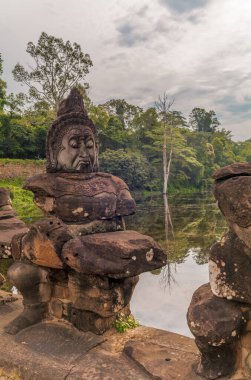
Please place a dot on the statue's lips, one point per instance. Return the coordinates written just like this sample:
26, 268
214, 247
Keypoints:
83, 163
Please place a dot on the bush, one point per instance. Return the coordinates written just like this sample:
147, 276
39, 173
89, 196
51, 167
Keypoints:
131, 167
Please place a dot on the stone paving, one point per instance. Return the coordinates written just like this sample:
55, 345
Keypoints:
54, 350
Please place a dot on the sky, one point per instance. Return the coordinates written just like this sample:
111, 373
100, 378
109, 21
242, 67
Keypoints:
197, 51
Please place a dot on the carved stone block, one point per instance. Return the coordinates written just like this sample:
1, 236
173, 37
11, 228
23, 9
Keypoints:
42, 245
115, 254
103, 296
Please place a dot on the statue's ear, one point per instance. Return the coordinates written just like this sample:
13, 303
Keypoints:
96, 163
53, 155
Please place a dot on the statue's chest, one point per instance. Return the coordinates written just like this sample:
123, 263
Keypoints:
82, 201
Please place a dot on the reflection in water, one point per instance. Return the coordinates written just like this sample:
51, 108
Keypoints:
186, 227
166, 273
166, 308
196, 223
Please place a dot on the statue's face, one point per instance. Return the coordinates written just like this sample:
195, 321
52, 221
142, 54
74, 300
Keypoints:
78, 150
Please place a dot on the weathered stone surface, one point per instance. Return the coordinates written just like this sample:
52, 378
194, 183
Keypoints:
43, 243
96, 226
114, 254
230, 268
70, 342
34, 284
233, 192
81, 198
10, 307
216, 323
107, 367
6, 297
234, 199
101, 295
9, 228
4, 197
64, 355
237, 169
71, 144
218, 317
159, 361
2, 279
10, 225
52, 356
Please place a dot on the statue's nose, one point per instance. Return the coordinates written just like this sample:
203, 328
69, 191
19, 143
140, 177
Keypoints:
82, 150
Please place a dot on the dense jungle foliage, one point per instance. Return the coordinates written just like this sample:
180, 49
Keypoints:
130, 139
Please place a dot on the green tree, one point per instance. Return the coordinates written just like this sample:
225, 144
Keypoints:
243, 150
203, 121
133, 168
124, 111
2, 87
59, 66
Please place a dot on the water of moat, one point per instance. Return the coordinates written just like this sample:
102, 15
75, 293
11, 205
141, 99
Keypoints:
185, 227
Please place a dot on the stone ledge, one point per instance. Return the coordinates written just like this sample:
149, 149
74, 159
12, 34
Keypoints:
55, 350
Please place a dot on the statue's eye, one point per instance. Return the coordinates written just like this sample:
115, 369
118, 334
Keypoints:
74, 143
89, 144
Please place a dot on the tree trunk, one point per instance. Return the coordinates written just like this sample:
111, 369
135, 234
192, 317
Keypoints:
167, 164
164, 157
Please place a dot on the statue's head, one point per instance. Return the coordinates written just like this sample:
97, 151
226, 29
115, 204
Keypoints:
71, 144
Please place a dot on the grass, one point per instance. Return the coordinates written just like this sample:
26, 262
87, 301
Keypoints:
19, 161
22, 199
124, 323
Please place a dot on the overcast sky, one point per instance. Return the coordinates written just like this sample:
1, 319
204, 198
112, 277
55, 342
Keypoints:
199, 51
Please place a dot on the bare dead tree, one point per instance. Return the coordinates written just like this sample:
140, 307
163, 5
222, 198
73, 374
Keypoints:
163, 107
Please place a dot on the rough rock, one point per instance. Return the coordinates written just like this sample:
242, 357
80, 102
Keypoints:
62, 352
232, 189
159, 361
43, 244
10, 225
230, 268
237, 169
2, 279
115, 254
216, 324
101, 295
234, 199
70, 342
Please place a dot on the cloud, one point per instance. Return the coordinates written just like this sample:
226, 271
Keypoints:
183, 6
130, 34
199, 51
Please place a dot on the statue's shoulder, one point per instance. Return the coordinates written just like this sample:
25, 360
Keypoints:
117, 183
39, 183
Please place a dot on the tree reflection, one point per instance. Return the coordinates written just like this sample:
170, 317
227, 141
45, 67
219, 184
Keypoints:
182, 225
167, 277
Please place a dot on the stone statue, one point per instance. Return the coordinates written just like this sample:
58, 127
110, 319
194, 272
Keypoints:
219, 312
10, 225
78, 263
